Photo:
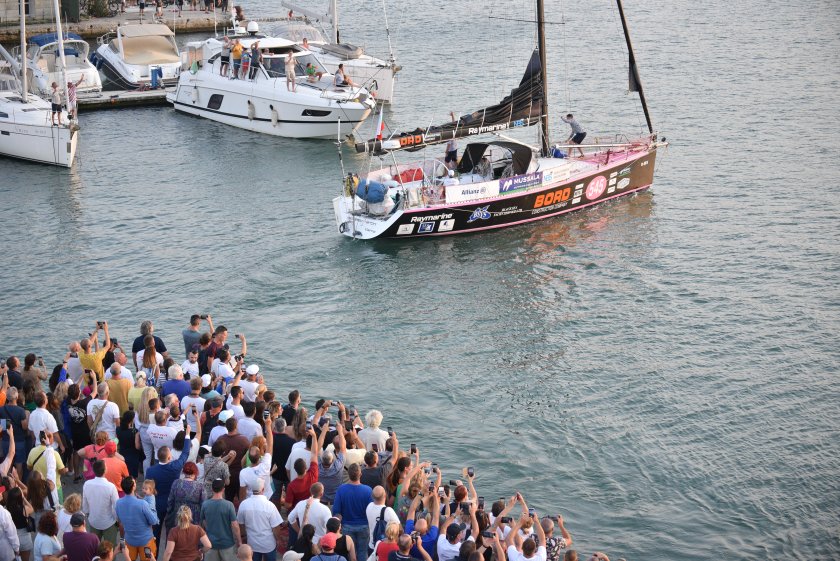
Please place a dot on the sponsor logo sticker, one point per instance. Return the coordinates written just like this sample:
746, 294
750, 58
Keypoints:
481, 213
596, 187
547, 177
612, 181
426, 227
576, 200
446, 225
611, 189
520, 182
625, 171
405, 229
624, 183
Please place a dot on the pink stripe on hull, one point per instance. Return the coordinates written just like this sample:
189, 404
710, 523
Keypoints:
535, 217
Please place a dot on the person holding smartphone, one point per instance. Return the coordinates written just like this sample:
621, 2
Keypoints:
529, 549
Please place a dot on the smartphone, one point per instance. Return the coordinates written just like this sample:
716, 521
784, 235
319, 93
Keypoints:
434, 468
3, 424
506, 519
266, 414
487, 534
480, 503
465, 508
203, 316
100, 324
332, 425
374, 447
470, 471
308, 425
147, 551
413, 448
531, 512
390, 431
441, 491
431, 483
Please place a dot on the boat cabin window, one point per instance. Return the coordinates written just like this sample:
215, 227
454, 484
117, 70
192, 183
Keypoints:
215, 101
4, 115
297, 32
275, 65
315, 113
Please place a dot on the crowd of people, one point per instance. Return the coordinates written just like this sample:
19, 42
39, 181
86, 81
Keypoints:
199, 459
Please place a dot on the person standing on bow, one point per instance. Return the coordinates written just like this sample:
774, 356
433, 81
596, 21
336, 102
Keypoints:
577, 135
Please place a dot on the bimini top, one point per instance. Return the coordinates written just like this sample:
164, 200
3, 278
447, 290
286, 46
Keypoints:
145, 30
520, 153
47, 38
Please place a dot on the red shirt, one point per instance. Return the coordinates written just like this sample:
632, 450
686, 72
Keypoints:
298, 489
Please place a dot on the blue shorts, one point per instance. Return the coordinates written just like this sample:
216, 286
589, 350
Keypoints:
578, 138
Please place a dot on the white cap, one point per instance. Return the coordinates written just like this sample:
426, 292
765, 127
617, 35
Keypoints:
225, 415
452, 173
252, 370
205, 380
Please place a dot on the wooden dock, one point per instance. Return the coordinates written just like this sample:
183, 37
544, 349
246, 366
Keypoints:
122, 98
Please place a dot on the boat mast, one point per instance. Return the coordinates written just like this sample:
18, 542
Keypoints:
544, 112
63, 73
635, 81
24, 85
335, 21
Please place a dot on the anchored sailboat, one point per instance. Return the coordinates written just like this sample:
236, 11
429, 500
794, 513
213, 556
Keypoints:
496, 183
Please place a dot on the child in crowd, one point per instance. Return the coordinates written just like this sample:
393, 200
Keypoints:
149, 493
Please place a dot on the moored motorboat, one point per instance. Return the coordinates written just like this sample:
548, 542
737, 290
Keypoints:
44, 63
496, 183
138, 56
262, 102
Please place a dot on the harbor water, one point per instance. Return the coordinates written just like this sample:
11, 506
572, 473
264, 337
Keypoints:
662, 369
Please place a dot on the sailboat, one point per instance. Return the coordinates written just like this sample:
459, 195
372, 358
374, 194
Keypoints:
26, 129
499, 182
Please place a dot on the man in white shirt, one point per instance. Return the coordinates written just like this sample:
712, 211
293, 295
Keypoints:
219, 429
160, 434
373, 434
528, 549
374, 512
261, 520
110, 417
122, 359
312, 511
190, 366
449, 544
234, 403
194, 400
42, 420
75, 370
249, 427
99, 497
260, 467
250, 385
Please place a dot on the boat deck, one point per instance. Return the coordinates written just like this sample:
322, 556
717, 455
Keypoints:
118, 99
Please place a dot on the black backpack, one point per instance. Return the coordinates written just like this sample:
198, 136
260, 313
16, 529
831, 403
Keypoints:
379, 529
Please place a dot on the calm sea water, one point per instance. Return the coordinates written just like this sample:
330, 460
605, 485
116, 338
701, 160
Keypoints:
662, 369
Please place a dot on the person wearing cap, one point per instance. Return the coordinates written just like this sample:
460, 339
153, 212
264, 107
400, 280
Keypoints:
219, 520
327, 543
220, 428
261, 520
350, 504
115, 467
207, 389
250, 386
79, 544
137, 521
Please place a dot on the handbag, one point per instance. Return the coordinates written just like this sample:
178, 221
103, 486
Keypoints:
96, 420
373, 556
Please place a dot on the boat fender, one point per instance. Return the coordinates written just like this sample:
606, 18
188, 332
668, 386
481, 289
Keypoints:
195, 94
275, 117
251, 110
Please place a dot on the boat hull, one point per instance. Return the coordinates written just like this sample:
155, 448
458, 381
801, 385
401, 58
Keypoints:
552, 199
39, 143
116, 72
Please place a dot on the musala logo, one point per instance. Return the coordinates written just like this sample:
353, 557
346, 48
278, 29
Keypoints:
481, 213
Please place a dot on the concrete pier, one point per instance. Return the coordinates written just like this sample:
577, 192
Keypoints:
121, 99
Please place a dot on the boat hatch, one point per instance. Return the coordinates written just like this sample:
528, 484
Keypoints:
505, 158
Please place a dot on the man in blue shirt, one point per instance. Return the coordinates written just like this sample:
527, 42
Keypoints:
165, 473
136, 521
427, 531
351, 500
219, 520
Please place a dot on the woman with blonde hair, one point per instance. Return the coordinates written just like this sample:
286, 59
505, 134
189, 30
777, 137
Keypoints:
182, 541
72, 505
389, 544
145, 417
135, 394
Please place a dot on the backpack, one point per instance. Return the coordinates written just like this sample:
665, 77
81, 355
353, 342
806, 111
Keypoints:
379, 529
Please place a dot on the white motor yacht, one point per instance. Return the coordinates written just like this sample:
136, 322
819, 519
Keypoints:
263, 103
377, 75
26, 130
138, 56
44, 63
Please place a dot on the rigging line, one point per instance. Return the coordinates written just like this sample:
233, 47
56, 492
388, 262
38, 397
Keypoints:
565, 63
527, 20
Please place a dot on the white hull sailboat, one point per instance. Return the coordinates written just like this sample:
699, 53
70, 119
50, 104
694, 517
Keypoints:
262, 102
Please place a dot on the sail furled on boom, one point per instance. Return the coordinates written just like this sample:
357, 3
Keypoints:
522, 108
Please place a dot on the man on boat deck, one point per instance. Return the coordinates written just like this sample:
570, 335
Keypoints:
451, 159
55, 98
72, 102
577, 135
256, 59
236, 52
341, 78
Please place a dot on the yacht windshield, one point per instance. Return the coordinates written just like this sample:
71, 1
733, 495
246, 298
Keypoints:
275, 65
298, 31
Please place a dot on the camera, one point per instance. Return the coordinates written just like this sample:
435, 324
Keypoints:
238, 358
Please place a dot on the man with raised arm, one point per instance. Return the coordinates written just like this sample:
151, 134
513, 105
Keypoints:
428, 531
529, 549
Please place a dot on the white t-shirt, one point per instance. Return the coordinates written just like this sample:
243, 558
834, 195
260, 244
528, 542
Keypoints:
317, 516
124, 373
249, 390
447, 551
249, 428
373, 511
377, 435
298, 451
110, 417
238, 411
217, 431
42, 420
513, 555
161, 436
140, 353
176, 454
249, 475
260, 517
74, 369
190, 368
186, 407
